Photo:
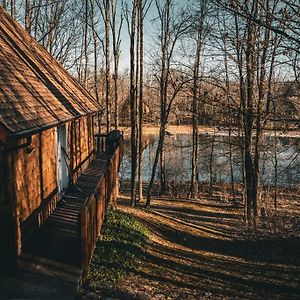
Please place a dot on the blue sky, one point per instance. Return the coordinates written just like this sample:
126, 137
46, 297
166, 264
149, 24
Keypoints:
148, 37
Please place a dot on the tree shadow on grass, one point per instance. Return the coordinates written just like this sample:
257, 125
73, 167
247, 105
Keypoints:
273, 250
222, 273
228, 267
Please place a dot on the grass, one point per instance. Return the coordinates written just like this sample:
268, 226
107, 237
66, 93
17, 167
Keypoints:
119, 250
180, 261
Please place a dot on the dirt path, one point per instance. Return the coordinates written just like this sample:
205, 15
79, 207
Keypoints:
197, 251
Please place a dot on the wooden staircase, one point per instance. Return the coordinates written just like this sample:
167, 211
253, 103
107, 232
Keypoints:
59, 239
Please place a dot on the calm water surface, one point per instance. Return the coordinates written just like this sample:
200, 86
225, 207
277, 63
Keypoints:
214, 151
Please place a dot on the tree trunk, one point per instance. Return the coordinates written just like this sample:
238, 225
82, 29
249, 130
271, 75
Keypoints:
157, 155
195, 171
141, 84
133, 104
85, 45
107, 65
13, 8
116, 37
27, 16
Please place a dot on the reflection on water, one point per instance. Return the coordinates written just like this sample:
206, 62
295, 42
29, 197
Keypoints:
214, 152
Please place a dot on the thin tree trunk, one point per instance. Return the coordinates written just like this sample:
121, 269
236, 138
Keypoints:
141, 84
27, 16
13, 8
107, 65
229, 122
95, 41
133, 104
251, 181
195, 172
116, 37
211, 160
156, 159
116, 85
85, 45
231, 163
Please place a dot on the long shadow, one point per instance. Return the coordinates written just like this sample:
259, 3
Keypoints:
217, 273
232, 224
199, 212
235, 274
265, 267
277, 250
19, 284
205, 219
226, 264
213, 203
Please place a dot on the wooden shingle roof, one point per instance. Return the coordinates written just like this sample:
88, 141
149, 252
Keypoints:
35, 90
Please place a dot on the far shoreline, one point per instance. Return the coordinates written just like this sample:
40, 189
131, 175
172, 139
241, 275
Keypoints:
187, 129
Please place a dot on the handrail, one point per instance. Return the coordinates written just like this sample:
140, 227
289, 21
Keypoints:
100, 142
93, 211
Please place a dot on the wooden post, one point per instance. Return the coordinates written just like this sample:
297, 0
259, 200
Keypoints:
84, 241
100, 205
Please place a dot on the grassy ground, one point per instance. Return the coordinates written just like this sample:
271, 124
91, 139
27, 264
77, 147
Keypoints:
118, 252
192, 249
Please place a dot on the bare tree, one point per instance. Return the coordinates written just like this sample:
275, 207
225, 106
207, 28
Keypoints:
200, 32
107, 64
116, 42
140, 104
255, 49
172, 28
133, 106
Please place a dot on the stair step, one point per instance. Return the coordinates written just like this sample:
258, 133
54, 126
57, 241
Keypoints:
60, 219
53, 222
62, 215
49, 267
52, 232
67, 210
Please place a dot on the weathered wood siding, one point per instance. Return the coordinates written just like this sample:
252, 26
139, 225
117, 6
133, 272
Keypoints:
81, 141
35, 173
6, 223
2, 182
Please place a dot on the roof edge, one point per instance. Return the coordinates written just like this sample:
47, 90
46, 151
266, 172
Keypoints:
38, 129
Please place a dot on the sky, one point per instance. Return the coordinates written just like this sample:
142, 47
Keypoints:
149, 30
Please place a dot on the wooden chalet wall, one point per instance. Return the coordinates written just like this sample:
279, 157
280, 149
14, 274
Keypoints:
35, 183
7, 241
81, 144
2, 184
35, 173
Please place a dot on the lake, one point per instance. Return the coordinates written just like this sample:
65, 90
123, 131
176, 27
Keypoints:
214, 151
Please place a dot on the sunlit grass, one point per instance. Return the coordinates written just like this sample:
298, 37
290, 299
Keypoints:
119, 250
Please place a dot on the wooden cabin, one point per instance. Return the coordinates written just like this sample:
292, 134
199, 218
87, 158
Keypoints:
47, 142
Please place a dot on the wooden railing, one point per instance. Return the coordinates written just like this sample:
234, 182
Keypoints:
93, 211
39, 216
108, 142
100, 142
